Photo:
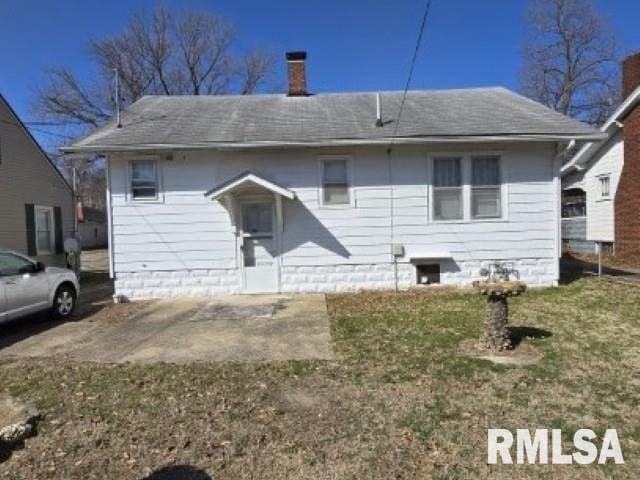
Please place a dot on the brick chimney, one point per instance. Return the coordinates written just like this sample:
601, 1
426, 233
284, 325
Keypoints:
630, 74
627, 197
296, 66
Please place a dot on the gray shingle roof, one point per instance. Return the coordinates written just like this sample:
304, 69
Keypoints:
316, 119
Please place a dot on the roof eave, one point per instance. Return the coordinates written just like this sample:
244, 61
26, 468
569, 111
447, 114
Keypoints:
608, 127
595, 136
248, 178
588, 150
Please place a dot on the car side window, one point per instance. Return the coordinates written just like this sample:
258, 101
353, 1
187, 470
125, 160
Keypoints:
12, 264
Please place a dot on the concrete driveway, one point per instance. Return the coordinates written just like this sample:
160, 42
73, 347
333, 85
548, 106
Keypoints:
243, 328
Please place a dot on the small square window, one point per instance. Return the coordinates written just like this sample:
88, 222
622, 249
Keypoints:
605, 187
144, 179
257, 219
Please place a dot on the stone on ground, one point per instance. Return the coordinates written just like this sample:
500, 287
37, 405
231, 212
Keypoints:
17, 419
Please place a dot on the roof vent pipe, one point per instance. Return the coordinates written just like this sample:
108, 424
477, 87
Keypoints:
378, 111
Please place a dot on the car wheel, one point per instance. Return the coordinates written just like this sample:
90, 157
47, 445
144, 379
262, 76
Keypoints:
64, 301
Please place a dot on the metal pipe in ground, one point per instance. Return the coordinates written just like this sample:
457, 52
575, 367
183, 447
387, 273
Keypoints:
599, 244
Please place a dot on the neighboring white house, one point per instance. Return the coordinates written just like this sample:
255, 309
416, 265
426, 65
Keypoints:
591, 179
599, 181
36, 203
322, 193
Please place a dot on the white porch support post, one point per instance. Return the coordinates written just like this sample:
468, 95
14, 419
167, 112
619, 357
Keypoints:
278, 236
228, 202
279, 217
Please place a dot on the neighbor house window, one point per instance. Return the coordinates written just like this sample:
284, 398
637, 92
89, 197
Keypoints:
485, 187
144, 179
335, 181
605, 187
574, 203
44, 230
447, 188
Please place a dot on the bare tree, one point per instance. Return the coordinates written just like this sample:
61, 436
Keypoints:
161, 53
571, 59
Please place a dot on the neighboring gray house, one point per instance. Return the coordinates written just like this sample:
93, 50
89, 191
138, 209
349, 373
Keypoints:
320, 193
36, 203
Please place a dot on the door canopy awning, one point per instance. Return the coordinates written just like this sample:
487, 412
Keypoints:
248, 180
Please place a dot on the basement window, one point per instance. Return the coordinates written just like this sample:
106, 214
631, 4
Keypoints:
428, 274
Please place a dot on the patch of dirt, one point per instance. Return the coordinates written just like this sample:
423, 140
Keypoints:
301, 399
522, 355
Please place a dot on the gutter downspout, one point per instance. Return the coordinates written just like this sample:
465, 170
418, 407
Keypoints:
109, 217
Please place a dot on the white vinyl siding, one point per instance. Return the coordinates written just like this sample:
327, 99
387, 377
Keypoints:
607, 162
189, 231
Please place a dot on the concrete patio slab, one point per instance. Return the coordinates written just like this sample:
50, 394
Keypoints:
227, 328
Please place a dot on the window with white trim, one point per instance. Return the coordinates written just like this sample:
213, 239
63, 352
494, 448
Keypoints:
335, 181
605, 186
143, 175
447, 188
44, 230
486, 191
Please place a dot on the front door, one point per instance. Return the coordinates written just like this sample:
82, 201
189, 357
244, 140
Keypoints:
259, 248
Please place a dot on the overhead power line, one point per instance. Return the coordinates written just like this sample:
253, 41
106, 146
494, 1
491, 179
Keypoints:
39, 130
423, 24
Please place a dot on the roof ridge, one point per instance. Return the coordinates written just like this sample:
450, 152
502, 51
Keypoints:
320, 94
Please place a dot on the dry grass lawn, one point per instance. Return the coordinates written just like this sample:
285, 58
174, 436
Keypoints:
399, 402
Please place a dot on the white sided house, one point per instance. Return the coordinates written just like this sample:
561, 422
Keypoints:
590, 182
327, 192
600, 182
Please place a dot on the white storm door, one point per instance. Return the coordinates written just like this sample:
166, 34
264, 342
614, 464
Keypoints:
259, 248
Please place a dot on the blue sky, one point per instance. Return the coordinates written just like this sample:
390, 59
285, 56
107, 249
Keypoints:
352, 44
